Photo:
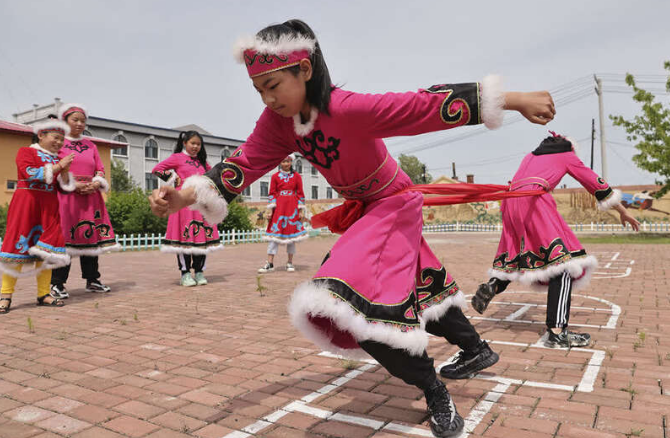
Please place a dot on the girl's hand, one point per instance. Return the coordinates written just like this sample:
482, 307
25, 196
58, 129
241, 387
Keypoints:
80, 187
268, 213
625, 217
168, 200
65, 162
536, 106
177, 181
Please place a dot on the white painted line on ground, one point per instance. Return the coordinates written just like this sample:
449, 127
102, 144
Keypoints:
408, 430
524, 321
237, 434
512, 303
257, 426
606, 274
360, 421
607, 266
518, 313
589, 377
632, 262
616, 256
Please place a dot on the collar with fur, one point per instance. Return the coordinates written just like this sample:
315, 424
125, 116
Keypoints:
40, 148
302, 129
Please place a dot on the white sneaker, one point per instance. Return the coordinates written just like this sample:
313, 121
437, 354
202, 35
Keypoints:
269, 267
290, 267
58, 291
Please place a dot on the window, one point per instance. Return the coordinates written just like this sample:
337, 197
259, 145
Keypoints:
264, 189
315, 172
151, 149
225, 153
329, 192
297, 165
11, 184
246, 191
87, 133
315, 192
123, 150
150, 181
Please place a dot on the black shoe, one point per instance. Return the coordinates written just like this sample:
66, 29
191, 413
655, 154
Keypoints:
96, 286
444, 420
484, 295
470, 363
567, 339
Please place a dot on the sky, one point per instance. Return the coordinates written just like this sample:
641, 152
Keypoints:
169, 63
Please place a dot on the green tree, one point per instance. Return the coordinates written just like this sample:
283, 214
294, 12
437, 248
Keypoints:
414, 169
121, 181
3, 219
130, 213
651, 132
238, 217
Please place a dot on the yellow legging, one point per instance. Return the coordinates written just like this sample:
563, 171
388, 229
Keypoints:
43, 281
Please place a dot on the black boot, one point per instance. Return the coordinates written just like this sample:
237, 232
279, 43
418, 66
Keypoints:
444, 420
486, 292
470, 362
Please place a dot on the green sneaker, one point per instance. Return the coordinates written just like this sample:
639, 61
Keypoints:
200, 279
187, 280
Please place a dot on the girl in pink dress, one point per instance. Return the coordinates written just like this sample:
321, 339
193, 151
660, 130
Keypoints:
537, 248
84, 220
188, 234
380, 290
286, 211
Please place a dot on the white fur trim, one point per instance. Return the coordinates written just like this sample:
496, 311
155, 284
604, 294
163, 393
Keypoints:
613, 200
434, 313
271, 206
493, 102
104, 185
74, 252
51, 124
48, 173
302, 206
52, 260
286, 241
70, 186
67, 106
277, 46
304, 129
208, 202
7, 268
40, 148
190, 250
575, 267
312, 299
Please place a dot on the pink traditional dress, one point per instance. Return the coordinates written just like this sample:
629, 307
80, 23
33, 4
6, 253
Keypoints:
380, 281
33, 223
187, 232
84, 219
286, 197
536, 243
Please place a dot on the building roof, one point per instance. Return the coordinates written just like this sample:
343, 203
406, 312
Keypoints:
18, 128
192, 127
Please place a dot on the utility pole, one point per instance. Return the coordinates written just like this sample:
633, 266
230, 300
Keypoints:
423, 176
593, 139
453, 170
603, 152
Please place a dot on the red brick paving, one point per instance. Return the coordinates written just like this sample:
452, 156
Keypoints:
156, 360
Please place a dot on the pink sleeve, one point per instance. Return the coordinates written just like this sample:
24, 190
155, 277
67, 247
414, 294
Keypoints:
164, 169
262, 152
99, 166
590, 180
436, 108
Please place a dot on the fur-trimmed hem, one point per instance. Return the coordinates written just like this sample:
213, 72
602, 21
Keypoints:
270, 206
73, 252
493, 102
302, 129
208, 201
6, 269
48, 173
70, 186
104, 185
613, 200
580, 269
434, 313
190, 249
316, 300
51, 260
286, 241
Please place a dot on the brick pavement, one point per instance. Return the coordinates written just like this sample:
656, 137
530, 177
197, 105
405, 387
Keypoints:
154, 360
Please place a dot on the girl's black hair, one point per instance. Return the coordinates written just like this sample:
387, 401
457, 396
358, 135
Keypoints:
320, 85
184, 137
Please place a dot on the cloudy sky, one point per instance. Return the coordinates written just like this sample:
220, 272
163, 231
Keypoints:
168, 63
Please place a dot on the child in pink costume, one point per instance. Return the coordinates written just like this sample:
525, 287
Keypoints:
380, 290
286, 209
188, 234
84, 220
537, 247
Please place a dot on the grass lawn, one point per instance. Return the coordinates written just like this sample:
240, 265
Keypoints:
647, 238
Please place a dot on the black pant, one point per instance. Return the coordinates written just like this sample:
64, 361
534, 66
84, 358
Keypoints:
188, 261
419, 370
558, 301
89, 271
